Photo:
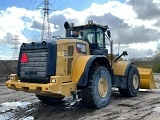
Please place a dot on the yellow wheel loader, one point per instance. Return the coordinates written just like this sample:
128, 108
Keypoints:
78, 65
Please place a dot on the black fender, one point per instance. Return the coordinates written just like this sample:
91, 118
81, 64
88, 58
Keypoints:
98, 59
128, 67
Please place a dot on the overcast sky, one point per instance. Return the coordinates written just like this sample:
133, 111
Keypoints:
133, 23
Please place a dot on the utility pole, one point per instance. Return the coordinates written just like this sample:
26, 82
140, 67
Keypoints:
46, 31
15, 48
118, 48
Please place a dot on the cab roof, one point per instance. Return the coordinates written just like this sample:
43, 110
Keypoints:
93, 26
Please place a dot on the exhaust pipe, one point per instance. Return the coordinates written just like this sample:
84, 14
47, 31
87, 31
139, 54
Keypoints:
68, 29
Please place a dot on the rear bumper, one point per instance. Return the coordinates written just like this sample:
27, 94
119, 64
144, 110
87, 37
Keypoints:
59, 87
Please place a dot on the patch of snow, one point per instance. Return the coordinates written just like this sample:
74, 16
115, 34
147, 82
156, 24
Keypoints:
27, 118
7, 108
18, 103
6, 116
156, 109
12, 106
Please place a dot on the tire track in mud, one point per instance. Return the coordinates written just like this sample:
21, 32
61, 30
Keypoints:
139, 110
41, 111
24, 113
63, 111
119, 108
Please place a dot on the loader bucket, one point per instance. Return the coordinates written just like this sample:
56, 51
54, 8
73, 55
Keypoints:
146, 78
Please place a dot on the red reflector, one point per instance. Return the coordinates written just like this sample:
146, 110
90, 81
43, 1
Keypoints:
24, 58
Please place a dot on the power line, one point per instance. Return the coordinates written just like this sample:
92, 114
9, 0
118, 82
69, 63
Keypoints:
29, 4
25, 19
53, 2
46, 32
33, 4
62, 4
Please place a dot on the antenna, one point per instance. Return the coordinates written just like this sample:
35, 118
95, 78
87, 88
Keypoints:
46, 31
15, 48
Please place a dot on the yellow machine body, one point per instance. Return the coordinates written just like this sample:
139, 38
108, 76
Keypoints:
72, 67
58, 86
120, 67
146, 74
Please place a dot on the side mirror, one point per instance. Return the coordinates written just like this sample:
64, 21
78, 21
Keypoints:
125, 53
109, 33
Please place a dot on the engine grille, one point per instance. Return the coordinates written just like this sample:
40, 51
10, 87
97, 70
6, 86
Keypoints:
36, 65
39, 63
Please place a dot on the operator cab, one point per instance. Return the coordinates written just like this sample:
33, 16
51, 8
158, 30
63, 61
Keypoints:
92, 33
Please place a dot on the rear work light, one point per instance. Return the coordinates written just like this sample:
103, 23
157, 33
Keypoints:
24, 58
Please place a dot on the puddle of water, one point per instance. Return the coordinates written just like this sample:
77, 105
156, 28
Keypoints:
12, 106
7, 110
27, 118
6, 116
69, 102
157, 109
18, 103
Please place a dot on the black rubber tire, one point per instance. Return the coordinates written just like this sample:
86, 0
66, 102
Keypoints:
90, 94
49, 100
130, 90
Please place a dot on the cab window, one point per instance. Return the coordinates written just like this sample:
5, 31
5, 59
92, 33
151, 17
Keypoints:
91, 37
100, 37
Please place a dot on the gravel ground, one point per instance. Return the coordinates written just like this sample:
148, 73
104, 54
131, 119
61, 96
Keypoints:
146, 106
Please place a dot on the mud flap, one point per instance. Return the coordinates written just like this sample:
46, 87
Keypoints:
146, 78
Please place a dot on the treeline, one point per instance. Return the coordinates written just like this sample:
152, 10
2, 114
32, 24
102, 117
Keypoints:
154, 64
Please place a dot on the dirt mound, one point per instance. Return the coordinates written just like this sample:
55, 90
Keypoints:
7, 67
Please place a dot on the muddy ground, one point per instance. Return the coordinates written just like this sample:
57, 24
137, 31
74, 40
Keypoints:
17, 105
7, 67
146, 106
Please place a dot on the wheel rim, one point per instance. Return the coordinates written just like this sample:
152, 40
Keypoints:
135, 81
103, 87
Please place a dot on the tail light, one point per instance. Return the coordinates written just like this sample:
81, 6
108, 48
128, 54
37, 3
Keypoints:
24, 58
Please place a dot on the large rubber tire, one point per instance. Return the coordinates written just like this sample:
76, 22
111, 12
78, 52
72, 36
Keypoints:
133, 83
49, 100
97, 92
